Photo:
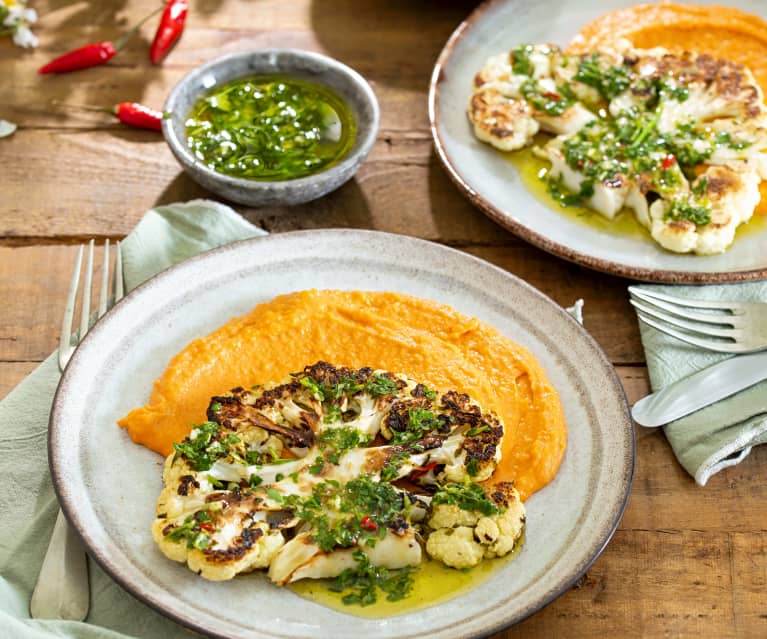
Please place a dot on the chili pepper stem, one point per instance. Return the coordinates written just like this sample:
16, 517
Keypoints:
82, 107
120, 42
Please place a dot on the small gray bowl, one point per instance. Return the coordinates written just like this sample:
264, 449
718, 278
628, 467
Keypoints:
317, 68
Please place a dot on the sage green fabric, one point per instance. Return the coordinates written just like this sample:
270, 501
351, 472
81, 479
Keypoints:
720, 435
164, 236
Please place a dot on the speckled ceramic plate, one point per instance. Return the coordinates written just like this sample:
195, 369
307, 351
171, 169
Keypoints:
110, 497
493, 184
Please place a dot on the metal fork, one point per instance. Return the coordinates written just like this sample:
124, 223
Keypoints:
725, 327
62, 591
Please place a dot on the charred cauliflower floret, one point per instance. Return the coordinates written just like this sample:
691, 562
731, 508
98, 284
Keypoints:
286, 476
469, 523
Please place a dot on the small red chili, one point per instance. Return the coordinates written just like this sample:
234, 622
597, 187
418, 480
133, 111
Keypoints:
131, 113
552, 95
668, 162
90, 55
367, 523
139, 116
206, 526
169, 30
423, 470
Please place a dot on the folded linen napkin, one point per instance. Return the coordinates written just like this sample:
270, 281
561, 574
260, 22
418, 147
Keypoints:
164, 236
720, 435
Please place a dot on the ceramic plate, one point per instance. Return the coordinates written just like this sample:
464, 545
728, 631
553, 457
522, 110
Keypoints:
110, 499
492, 183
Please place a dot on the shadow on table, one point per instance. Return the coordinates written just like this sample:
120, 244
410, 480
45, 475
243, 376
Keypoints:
181, 189
346, 207
465, 223
72, 25
395, 42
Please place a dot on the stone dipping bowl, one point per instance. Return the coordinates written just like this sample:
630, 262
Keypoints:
314, 67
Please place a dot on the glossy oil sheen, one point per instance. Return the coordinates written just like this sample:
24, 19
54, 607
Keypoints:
434, 583
625, 223
270, 127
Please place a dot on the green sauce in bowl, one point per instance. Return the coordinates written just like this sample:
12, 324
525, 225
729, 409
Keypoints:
270, 127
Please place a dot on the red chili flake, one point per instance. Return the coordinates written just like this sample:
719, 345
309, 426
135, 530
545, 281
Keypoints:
368, 524
552, 95
668, 162
423, 470
206, 526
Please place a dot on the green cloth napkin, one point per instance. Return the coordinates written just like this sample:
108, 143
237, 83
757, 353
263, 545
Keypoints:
164, 236
720, 435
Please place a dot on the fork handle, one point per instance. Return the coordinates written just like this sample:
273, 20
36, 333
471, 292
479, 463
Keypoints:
61, 591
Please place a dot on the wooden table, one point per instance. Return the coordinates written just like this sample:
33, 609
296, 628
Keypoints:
685, 561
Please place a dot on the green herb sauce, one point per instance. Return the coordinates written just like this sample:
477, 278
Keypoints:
270, 127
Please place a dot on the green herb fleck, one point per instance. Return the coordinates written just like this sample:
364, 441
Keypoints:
468, 496
362, 583
378, 385
204, 445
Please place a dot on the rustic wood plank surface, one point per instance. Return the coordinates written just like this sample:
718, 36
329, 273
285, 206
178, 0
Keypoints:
684, 561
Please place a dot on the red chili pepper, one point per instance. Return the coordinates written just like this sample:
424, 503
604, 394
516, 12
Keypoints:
206, 526
139, 116
90, 55
368, 524
552, 95
668, 162
423, 470
130, 113
169, 30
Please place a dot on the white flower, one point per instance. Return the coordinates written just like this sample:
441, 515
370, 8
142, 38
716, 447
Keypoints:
16, 20
6, 128
23, 37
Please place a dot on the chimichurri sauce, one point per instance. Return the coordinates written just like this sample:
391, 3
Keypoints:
270, 127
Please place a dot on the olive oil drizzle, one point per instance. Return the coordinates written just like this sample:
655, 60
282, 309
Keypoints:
433, 583
270, 127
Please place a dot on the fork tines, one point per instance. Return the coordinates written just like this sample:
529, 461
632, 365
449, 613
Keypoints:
69, 339
728, 327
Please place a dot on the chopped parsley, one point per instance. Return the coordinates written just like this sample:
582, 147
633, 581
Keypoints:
550, 102
362, 583
356, 513
420, 423
520, 60
560, 193
337, 441
467, 496
204, 445
610, 82
378, 385
192, 530
688, 209
391, 468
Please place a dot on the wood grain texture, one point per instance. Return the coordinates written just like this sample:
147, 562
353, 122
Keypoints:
685, 561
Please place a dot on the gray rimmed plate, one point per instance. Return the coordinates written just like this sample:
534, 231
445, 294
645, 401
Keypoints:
492, 183
110, 498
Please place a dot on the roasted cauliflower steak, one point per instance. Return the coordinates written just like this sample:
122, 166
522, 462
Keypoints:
326, 470
679, 139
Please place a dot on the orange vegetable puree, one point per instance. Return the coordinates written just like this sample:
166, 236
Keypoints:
722, 32
427, 341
